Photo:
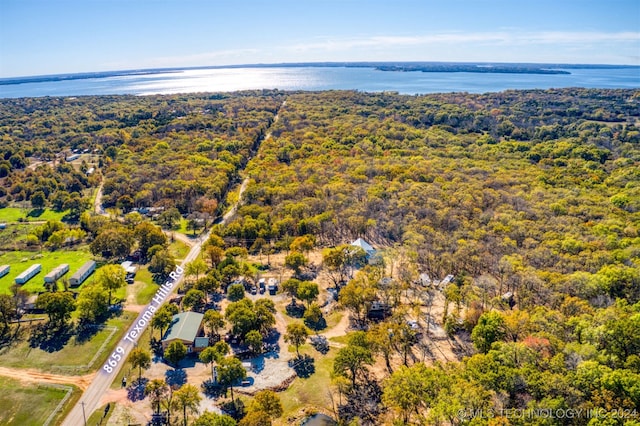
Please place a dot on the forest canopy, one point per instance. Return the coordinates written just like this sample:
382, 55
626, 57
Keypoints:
528, 200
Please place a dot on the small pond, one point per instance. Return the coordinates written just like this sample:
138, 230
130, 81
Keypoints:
319, 420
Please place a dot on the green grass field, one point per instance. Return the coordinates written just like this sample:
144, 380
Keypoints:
31, 404
15, 233
143, 290
179, 250
74, 357
182, 228
21, 260
15, 214
310, 393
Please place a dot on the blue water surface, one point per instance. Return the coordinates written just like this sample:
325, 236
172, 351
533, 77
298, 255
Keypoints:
321, 78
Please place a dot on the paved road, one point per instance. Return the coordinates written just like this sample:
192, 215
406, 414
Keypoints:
90, 400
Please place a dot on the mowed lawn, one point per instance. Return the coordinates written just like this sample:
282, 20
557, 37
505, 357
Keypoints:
312, 392
24, 404
179, 250
21, 260
15, 214
69, 355
143, 290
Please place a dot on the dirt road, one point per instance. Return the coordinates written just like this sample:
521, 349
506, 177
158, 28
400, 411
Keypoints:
35, 376
97, 203
181, 237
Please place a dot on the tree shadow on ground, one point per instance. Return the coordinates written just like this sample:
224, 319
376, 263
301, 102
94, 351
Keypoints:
86, 331
135, 392
235, 410
35, 213
156, 348
50, 338
304, 366
177, 377
12, 337
321, 324
363, 402
270, 344
213, 390
6, 339
295, 310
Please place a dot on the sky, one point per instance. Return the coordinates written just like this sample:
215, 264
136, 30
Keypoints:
41, 37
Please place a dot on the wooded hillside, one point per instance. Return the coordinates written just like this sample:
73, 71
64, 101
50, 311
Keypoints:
530, 200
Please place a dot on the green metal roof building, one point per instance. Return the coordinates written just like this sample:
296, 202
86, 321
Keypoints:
185, 327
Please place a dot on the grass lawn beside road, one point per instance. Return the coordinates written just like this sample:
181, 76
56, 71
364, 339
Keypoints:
23, 404
73, 356
127, 370
143, 290
179, 250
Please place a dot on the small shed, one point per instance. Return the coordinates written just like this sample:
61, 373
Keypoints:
30, 305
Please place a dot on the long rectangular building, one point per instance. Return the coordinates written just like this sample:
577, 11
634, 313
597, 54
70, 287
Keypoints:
58, 272
4, 270
82, 273
29, 273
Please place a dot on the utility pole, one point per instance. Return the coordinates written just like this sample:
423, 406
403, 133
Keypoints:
84, 417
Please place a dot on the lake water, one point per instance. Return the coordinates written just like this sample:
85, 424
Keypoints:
321, 78
319, 420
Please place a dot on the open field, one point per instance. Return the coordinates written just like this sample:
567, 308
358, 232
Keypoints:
183, 228
21, 260
71, 356
142, 290
15, 214
32, 404
310, 393
178, 249
14, 233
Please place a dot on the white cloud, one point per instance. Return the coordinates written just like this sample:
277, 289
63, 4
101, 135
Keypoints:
503, 45
500, 37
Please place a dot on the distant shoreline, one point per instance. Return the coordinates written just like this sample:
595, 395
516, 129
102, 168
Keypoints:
446, 67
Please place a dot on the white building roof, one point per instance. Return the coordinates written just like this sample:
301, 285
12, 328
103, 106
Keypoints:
363, 245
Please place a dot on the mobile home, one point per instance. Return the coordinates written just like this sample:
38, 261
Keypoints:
58, 272
4, 270
29, 273
82, 273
